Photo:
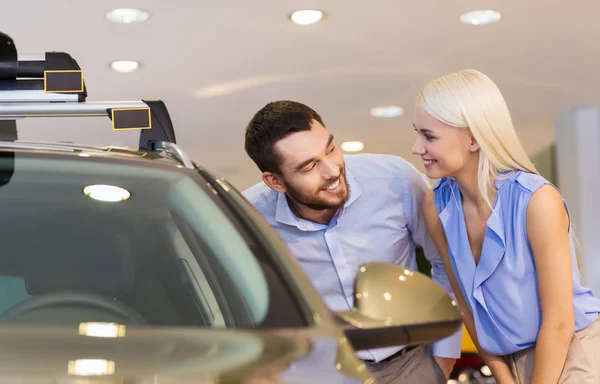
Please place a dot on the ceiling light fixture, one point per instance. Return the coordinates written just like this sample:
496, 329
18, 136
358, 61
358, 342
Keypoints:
127, 15
387, 111
306, 16
125, 66
480, 17
353, 146
108, 193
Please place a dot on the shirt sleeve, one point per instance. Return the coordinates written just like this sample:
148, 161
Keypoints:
416, 186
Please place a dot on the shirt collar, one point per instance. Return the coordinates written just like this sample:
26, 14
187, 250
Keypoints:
285, 215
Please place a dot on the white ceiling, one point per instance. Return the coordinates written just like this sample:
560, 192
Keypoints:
215, 63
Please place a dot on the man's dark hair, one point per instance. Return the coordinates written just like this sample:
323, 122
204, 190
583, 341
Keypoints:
274, 122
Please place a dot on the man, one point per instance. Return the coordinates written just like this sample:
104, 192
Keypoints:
336, 214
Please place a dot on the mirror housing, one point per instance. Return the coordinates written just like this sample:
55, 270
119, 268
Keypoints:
396, 306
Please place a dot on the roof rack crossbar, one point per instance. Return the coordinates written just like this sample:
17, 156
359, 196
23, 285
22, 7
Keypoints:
34, 96
86, 108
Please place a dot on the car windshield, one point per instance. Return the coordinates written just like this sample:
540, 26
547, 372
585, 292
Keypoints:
88, 239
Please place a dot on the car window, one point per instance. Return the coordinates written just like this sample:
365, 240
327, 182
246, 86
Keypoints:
167, 254
12, 291
269, 249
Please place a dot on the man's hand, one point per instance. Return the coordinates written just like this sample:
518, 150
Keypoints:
447, 365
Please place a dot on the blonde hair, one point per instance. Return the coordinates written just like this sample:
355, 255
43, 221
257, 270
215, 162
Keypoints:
468, 99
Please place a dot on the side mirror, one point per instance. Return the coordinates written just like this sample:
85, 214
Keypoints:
397, 306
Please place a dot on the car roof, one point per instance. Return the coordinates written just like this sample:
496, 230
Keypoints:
68, 148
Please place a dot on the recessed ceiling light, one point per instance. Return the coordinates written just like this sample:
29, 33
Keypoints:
306, 16
124, 65
127, 15
353, 146
109, 193
388, 111
480, 17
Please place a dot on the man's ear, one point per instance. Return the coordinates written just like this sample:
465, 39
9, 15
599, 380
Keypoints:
473, 145
273, 181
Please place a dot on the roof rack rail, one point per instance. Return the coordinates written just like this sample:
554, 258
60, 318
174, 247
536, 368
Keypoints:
176, 151
52, 85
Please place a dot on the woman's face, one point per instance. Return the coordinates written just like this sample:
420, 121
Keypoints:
444, 149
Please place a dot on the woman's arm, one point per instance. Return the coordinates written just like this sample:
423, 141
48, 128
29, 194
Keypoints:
496, 364
547, 230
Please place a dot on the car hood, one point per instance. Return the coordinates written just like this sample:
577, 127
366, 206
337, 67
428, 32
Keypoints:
148, 355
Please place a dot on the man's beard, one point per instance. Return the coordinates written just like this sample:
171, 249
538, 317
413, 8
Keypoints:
316, 203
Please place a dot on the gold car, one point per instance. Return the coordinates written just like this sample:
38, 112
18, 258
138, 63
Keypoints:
134, 267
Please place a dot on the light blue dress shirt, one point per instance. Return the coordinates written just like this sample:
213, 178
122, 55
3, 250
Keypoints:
381, 221
501, 290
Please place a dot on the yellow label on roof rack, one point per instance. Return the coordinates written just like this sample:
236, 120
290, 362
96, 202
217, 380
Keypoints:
126, 119
68, 81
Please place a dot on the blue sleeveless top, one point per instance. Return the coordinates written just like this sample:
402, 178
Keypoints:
501, 291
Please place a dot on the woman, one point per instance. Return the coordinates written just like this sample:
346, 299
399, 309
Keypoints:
504, 235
